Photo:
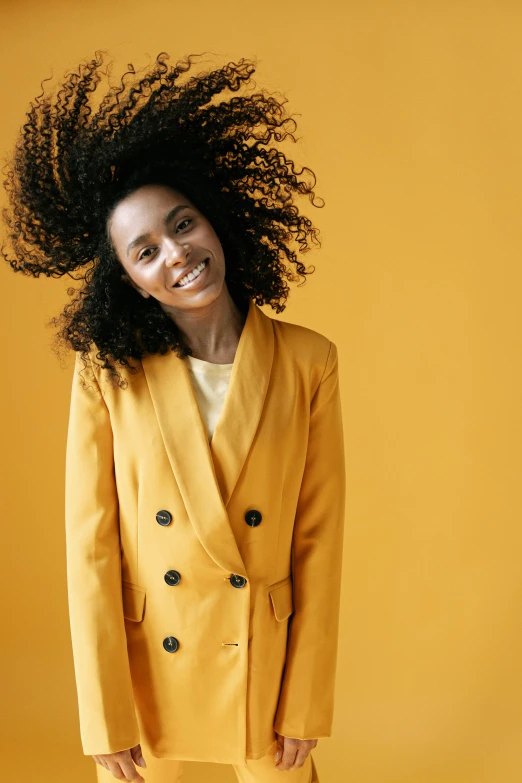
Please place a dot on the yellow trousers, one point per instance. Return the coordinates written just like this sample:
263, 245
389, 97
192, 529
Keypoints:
255, 771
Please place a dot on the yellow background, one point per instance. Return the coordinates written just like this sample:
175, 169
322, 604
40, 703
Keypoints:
410, 115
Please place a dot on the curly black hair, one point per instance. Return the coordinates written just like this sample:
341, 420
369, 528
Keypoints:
73, 162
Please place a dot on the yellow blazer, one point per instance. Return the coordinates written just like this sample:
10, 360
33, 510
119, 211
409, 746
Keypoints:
204, 578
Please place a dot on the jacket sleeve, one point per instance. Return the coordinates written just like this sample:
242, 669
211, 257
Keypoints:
305, 709
93, 556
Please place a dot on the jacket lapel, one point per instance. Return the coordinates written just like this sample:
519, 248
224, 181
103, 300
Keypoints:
207, 473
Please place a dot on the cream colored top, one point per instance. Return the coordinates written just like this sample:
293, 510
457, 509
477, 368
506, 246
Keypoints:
210, 382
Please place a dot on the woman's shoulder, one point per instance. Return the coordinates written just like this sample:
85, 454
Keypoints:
305, 344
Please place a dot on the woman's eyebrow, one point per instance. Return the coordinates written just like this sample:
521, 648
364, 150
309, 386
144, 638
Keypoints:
145, 237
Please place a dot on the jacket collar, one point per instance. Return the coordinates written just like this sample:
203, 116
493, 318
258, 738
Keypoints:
207, 473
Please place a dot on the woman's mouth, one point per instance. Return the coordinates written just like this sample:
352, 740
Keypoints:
190, 280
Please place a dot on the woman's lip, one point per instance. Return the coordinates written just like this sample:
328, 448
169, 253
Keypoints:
195, 279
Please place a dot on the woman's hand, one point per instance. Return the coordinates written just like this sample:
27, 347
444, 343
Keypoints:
291, 753
121, 764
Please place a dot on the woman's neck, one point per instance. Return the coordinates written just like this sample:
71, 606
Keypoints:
212, 332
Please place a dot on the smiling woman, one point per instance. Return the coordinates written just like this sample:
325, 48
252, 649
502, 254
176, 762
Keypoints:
176, 247
205, 483
85, 200
176, 258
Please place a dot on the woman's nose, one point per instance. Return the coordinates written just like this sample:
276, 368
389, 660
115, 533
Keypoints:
175, 253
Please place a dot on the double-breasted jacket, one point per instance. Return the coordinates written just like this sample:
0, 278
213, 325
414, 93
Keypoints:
203, 578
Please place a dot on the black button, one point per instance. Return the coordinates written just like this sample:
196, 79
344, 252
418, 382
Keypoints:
253, 518
172, 577
163, 517
170, 644
237, 581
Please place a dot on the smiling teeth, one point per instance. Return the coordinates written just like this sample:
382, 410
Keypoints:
191, 275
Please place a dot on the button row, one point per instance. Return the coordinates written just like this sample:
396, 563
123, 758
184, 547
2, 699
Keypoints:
173, 578
252, 517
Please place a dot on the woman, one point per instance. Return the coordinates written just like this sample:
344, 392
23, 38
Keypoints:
205, 480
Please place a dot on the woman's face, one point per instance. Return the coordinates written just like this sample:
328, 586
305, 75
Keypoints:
159, 237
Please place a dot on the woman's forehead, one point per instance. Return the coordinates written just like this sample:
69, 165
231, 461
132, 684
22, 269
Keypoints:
147, 206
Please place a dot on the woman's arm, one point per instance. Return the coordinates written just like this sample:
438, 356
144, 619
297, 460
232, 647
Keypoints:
306, 701
105, 697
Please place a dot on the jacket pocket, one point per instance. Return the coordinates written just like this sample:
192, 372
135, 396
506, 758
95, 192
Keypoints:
133, 601
282, 599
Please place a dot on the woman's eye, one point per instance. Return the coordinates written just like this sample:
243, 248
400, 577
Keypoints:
149, 251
